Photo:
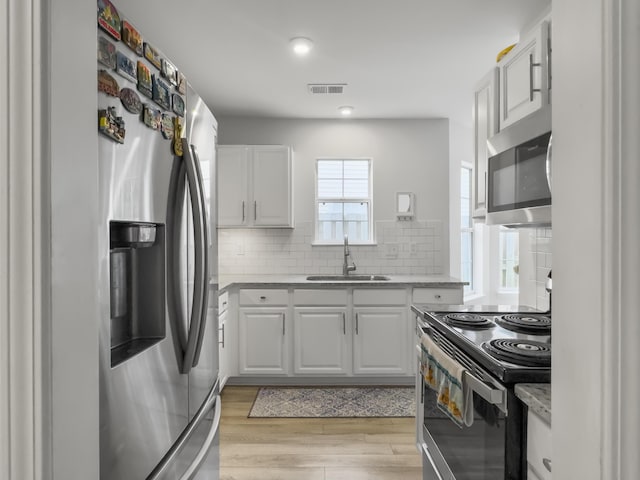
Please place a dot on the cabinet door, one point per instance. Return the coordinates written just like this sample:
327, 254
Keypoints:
262, 341
485, 124
320, 340
233, 186
271, 171
524, 85
380, 341
223, 349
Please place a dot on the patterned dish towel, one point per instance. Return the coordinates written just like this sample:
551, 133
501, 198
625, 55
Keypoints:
445, 376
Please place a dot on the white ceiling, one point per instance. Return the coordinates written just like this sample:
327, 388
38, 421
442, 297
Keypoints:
400, 58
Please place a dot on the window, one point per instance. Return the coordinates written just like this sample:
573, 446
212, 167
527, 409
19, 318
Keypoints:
509, 240
466, 230
343, 200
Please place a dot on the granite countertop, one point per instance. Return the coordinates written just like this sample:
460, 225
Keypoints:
265, 281
536, 396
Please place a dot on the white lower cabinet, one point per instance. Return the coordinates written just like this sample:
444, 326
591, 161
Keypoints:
328, 332
224, 349
262, 340
380, 341
320, 340
538, 448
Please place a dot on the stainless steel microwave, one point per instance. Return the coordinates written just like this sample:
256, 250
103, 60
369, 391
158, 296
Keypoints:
519, 173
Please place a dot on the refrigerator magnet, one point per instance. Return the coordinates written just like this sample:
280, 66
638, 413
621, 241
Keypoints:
177, 104
177, 136
166, 126
111, 125
126, 67
108, 18
106, 53
131, 37
168, 71
108, 84
131, 101
181, 81
161, 93
152, 55
152, 117
144, 80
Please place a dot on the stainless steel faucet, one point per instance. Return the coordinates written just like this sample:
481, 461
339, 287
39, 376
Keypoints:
346, 268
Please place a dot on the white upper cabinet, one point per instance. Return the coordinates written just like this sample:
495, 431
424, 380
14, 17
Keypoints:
485, 125
254, 186
233, 185
525, 81
272, 205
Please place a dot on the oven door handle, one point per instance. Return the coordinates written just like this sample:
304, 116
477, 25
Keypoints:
494, 396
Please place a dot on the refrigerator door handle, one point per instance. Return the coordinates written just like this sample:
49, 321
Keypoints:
212, 401
174, 220
201, 275
205, 256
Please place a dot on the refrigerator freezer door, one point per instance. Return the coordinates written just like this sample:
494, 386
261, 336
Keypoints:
195, 452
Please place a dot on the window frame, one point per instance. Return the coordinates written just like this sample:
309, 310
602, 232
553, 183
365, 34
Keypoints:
343, 200
470, 229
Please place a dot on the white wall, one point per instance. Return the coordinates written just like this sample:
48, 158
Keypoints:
73, 250
420, 147
596, 119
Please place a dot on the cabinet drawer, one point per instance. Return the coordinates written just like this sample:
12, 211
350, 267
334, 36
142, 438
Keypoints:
264, 296
380, 296
449, 296
538, 446
319, 297
223, 302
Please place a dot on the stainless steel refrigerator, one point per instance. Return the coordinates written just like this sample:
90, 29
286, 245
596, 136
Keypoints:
159, 403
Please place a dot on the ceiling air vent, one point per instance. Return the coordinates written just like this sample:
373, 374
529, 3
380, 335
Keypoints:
315, 88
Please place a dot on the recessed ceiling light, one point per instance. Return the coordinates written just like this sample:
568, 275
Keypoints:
301, 45
346, 110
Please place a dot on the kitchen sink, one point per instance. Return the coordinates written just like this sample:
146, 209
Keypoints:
347, 278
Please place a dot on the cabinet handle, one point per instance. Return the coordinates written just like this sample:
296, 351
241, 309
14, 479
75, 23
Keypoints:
243, 215
255, 210
283, 330
438, 296
356, 324
344, 324
531, 65
547, 464
262, 298
221, 329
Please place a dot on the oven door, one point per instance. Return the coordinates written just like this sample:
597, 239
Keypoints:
477, 452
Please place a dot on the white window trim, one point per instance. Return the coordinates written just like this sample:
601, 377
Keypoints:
316, 241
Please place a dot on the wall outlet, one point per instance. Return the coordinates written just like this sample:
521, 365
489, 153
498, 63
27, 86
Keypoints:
391, 250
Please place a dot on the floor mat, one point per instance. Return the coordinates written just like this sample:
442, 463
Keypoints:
327, 402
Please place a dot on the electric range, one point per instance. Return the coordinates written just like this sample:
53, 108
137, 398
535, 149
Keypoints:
499, 346
512, 343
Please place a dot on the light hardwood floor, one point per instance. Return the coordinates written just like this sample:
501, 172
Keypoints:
313, 449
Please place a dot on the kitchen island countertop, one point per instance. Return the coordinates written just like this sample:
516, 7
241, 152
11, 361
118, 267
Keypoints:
300, 281
536, 396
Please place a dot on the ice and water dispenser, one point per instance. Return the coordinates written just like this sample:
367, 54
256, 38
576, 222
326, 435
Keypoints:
137, 287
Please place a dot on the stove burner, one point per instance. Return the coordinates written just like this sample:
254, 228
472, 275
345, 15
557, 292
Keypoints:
522, 352
529, 323
469, 321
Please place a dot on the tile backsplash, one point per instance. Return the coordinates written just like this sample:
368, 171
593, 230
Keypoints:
402, 248
541, 251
